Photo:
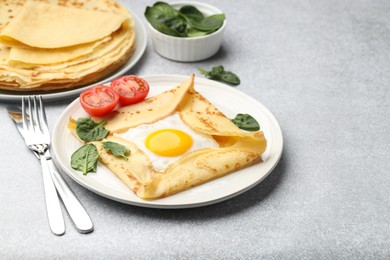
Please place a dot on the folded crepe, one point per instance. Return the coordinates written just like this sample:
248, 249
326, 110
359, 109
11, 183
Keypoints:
237, 149
55, 44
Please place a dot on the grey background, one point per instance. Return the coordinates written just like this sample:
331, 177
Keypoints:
323, 69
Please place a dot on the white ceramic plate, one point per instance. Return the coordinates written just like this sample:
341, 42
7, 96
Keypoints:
229, 100
140, 41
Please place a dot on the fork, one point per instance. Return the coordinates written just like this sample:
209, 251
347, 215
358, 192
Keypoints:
37, 138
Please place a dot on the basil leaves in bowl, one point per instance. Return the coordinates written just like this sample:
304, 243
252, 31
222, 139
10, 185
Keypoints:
185, 31
188, 21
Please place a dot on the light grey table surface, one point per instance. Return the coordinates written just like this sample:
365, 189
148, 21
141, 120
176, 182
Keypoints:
323, 69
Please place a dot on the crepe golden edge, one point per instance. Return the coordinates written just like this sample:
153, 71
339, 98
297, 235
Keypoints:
238, 149
86, 80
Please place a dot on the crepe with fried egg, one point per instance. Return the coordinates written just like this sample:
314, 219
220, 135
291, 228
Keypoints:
236, 149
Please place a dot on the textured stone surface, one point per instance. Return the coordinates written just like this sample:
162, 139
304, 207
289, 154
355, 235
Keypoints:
323, 69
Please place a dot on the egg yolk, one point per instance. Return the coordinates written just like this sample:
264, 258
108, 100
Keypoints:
168, 142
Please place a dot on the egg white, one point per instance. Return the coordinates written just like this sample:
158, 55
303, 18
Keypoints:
139, 134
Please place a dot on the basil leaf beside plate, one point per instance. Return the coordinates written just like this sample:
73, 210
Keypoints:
218, 73
230, 78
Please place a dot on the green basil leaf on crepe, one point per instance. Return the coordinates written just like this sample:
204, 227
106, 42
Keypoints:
88, 130
116, 149
246, 122
85, 159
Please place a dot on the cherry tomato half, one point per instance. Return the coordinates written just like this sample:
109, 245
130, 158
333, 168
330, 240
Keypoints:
131, 89
99, 100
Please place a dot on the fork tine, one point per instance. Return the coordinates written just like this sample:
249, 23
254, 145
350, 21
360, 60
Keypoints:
24, 116
35, 117
32, 117
42, 115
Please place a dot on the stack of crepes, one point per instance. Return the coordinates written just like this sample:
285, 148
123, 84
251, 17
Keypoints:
57, 44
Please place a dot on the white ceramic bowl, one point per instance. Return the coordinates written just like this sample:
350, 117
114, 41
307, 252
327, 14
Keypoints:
188, 49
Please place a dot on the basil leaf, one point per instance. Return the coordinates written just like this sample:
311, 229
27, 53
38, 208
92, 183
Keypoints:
209, 24
186, 22
90, 131
191, 12
231, 78
246, 122
167, 30
177, 24
116, 149
159, 15
195, 33
160, 10
203, 71
218, 73
169, 23
85, 159
164, 9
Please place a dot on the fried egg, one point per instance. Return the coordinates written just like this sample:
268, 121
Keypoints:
167, 140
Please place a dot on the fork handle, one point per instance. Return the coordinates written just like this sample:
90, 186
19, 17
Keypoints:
53, 207
75, 209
